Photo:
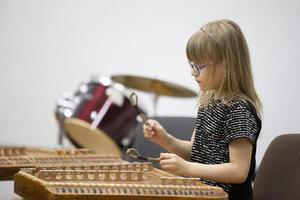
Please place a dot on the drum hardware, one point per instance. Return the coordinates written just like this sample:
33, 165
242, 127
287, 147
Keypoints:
64, 109
134, 102
101, 113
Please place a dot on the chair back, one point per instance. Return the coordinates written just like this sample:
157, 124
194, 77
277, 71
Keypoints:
278, 176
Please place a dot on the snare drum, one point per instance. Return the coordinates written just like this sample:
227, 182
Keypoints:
105, 107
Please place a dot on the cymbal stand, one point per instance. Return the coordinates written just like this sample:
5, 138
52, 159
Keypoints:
155, 100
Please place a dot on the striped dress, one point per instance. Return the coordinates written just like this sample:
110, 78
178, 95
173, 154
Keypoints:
216, 126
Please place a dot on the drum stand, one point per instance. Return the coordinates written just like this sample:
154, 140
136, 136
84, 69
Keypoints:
61, 135
61, 130
155, 100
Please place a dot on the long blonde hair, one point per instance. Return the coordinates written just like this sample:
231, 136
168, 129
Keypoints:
223, 41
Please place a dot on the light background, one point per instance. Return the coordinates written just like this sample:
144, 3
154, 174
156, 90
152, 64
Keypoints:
48, 47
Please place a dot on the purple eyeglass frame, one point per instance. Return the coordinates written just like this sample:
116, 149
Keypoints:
197, 68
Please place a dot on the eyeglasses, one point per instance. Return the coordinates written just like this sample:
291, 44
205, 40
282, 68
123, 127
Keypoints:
197, 68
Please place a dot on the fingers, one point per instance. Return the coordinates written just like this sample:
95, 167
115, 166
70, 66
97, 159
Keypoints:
148, 131
148, 125
149, 128
148, 135
154, 132
167, 161
168, 167
164, 156
151, 123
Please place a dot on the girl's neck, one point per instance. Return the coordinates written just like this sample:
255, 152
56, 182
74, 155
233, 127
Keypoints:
220, 95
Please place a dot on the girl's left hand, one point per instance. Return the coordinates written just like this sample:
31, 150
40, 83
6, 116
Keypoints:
174, 164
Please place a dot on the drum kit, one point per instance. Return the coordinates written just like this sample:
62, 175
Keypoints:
100, 113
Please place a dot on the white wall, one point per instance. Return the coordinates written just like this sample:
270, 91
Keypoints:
48, 47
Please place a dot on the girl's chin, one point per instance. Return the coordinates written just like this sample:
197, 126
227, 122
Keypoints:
202, 88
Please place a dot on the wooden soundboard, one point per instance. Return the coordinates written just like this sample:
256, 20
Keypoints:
12, 159
110, 181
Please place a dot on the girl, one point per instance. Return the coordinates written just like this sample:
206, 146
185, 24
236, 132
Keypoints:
223, 146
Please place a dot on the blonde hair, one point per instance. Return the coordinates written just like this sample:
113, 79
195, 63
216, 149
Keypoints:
222, 41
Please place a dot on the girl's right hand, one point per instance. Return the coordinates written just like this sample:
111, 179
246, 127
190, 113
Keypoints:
154, 132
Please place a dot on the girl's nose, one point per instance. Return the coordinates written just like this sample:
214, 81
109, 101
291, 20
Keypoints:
193, 73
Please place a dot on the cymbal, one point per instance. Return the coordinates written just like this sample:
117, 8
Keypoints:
155, 86
83, 135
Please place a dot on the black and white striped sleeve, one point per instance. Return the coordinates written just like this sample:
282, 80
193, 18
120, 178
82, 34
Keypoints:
240, 123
